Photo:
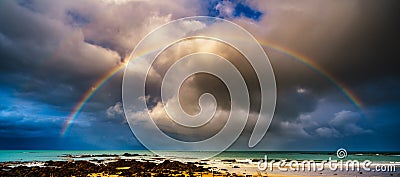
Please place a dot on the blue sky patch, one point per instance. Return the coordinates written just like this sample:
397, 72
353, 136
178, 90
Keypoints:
246, 11
234, 9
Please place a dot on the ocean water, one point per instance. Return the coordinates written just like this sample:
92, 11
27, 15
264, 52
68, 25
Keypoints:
45, 155
56, 155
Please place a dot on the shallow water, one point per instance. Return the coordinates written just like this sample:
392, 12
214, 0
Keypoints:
45, 155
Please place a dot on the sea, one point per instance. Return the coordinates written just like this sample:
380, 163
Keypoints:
60, 155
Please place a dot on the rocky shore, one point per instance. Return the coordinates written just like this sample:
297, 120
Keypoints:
126, 164
86, 168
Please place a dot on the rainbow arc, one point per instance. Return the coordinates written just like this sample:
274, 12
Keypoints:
274, 46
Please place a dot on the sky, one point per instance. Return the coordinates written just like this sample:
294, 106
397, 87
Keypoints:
335, 64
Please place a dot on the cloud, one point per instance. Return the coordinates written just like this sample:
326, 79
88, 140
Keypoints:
52, 52
45, 59
225, 9
353, 35
301, 90
115, 110
18, 121
344, 118
58, 50
347, 123
327, 132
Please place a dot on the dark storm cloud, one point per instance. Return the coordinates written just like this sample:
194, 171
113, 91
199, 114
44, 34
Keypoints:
19, 121
371, 42
290, 104
31, 48
51, 53
356, 43
201, 83
54, 51
46, 62
369, 53
39, 143
357, 50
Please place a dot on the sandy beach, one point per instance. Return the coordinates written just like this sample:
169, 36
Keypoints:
251, 168
152, 165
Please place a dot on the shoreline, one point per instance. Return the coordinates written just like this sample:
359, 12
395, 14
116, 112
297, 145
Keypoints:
127, 164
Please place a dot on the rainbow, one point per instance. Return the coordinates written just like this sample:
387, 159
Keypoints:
293, 54
78, 107
316, 68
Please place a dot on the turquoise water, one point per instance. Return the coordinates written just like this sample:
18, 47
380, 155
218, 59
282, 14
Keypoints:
385, 157
45, 155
